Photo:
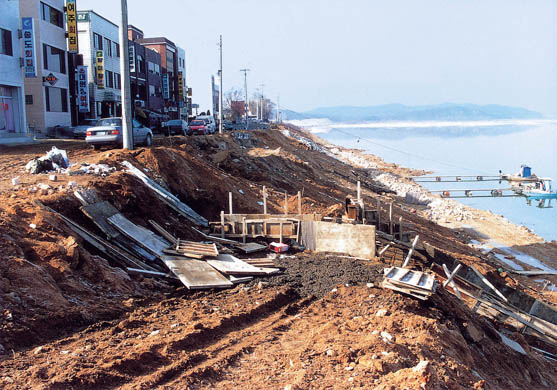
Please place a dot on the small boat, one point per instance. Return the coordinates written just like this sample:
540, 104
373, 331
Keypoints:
540, 189
524, 176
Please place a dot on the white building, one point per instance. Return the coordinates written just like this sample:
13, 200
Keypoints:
98, 33
12, 100
47, 94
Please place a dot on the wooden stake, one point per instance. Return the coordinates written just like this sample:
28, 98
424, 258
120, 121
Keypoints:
244, 229
400, 229
378, 214
450, 281
299, 203
280, 239
230, 202
410, 252
222, 224
488, 283
391, 218
359, 192
384, 250
264, 200
285, 203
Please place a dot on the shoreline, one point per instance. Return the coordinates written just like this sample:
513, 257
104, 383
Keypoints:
513, 245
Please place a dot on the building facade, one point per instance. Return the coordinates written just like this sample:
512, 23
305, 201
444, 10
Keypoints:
182, 85
169, 72
46, 92
12, 99
99, 45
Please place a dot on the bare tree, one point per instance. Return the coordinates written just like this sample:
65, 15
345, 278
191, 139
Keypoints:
233, 104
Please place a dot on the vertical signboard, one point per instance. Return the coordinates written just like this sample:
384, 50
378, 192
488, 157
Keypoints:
180, 87
29, 59
165, 87
82, 89
99, 65
131, 51
71, 22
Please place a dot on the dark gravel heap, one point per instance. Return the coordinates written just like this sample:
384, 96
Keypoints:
316, 274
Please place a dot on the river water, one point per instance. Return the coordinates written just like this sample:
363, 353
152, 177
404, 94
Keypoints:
464, 148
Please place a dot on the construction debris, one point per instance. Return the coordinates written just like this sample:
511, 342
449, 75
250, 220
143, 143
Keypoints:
55, 159
415, 283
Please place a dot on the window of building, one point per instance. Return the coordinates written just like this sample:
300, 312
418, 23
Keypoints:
151, 90
6, 42
98, 41
117, 81
157, 69
109, 79
140, 64
115, 49
150, 67
28, 99
54, 59
107, 47
56, 99
52, 15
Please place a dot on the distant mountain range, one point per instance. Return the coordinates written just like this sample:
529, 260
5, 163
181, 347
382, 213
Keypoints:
400, 112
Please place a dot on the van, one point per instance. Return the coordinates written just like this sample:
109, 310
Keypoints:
209, 123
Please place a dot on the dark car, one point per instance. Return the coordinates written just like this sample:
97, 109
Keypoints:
176, 126
197, 127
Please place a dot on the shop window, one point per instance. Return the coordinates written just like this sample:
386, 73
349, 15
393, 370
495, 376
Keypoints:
56, 99
6, 42
52, 15
54, 59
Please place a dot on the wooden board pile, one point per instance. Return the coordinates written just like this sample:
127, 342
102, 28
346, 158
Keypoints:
414, 283
139, 250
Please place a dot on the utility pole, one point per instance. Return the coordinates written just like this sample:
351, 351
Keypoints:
220, 88
278, 109
246, 89
262, 101
127, 129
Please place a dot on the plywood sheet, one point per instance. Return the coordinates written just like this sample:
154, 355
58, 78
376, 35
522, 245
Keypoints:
143, 237
195, 274
230, 265
251, 247
99, 213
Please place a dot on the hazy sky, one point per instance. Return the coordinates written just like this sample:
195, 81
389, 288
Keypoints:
363, 52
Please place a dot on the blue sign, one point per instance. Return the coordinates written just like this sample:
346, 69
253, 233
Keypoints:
29, 59
165, 87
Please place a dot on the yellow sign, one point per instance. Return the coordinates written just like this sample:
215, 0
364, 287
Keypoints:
180, 86
99, 65
71, 21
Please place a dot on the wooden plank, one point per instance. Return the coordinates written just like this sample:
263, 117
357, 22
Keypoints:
196, 248
488, 283
99, 213
163, 232
143, 237
251, 247
239, 279
230, 265
195, 274
143, 272
450, 282
533, 272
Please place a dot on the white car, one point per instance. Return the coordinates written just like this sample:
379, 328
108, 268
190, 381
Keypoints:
209, 123
108, 131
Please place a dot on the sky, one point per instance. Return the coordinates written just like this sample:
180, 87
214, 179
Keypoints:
318, 53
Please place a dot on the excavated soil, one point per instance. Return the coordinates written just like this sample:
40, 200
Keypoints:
71, 319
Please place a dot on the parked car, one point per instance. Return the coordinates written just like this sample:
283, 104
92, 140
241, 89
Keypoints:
108, 131
197, 127
176, 126
80, 130
227, 125
209, 123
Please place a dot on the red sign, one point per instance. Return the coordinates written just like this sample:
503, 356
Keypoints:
51, 79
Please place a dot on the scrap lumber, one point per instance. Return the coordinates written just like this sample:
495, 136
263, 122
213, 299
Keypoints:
195, 274
488, 283
216, 239
251, 247
260, 262
450, 277
230, 265
99, 243
143, 237
99, 213
407, 260
537, 272
415, 283
144, 272
239, 279
171, 200
163, 232
188, 248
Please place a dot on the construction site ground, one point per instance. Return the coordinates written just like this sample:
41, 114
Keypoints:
70, 319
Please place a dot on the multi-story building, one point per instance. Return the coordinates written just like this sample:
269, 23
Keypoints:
182, 85
46, 83
99, 45
169, 62
12, 101
145, 73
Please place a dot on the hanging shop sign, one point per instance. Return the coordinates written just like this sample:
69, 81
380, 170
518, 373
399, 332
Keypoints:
29, 59
165, 87
71, 22
82, 89
131, 51
50, 79
180, 86
99, 65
